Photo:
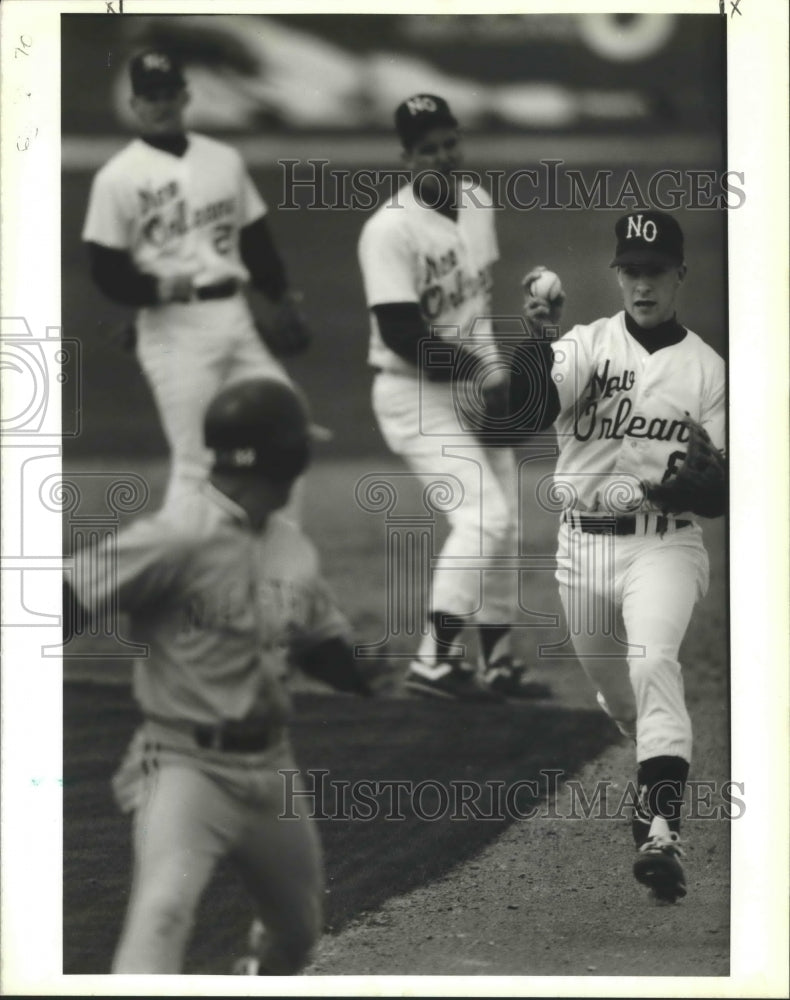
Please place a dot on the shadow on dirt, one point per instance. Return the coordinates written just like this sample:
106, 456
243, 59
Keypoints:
403, 790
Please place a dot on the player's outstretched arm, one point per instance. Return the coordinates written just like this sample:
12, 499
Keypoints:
530, 401
135, 568
332, 661
532, 389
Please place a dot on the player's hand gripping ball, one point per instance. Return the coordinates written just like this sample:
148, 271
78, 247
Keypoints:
543, 298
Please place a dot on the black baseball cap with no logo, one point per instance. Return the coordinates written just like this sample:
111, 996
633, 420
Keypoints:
155, 70
418, 114
650, 237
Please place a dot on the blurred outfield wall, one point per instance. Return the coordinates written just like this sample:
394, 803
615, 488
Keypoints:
643, 94
347, 72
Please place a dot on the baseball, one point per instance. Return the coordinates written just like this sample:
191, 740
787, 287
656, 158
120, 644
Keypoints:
547, 286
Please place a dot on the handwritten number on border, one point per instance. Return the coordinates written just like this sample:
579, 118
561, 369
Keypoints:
25, 43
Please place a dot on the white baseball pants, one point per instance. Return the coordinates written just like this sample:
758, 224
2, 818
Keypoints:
418, 423
188, 352
628, 602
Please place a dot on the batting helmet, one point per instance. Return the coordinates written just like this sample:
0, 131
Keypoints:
260, 427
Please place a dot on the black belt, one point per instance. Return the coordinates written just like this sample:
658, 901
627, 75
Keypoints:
220, 290
228, 741
245, 736
603, 524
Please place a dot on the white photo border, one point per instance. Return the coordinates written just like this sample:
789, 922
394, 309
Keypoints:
31, 901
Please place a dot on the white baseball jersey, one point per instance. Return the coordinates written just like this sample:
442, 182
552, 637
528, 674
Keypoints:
218, 605
622, 410
411, 253
175, 213
183, 214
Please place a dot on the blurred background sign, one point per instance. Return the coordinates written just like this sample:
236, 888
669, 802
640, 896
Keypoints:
340, 72
614, 94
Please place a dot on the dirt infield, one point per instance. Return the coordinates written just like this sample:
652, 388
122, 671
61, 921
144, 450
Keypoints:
550, 894
505, 896
408, 841
555, 897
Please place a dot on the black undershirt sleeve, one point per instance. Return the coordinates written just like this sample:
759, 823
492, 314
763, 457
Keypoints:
402, 328
260, 257
533, 391
115, 274
332, 661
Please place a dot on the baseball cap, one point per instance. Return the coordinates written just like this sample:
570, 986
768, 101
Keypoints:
420, 113
155, 69
259, 426
648, 237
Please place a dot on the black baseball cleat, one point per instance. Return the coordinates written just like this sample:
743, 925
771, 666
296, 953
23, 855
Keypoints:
448, 680
507, 677
657, 866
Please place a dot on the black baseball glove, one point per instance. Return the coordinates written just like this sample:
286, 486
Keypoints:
285, 331
700, 483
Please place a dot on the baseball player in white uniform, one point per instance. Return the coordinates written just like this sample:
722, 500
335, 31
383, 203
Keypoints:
176, 228
626, 394
225, 593
426, 257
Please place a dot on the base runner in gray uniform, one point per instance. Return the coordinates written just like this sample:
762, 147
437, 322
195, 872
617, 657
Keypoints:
225, 595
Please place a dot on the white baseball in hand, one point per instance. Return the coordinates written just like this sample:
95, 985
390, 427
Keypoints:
546, 285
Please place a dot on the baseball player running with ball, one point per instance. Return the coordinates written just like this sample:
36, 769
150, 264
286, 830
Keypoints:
176, 229
225, 593
426, 258
638, 402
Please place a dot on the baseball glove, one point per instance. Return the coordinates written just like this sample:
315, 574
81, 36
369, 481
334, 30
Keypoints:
700, 483
285, 331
